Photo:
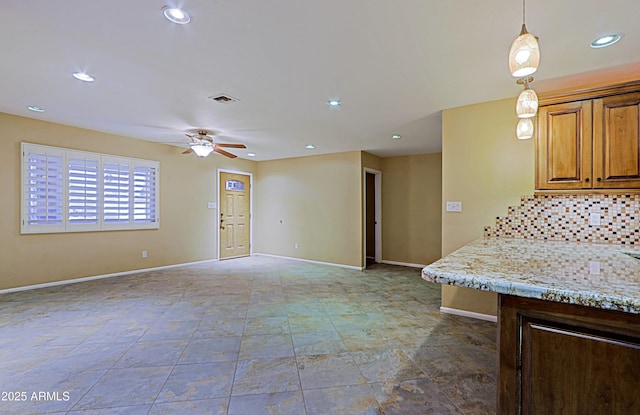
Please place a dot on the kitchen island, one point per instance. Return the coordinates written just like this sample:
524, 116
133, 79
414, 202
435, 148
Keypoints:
569, 321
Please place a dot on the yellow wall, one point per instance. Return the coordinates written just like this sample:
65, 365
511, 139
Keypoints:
411, 208
371, 161
314, 201
187, 230
488, 169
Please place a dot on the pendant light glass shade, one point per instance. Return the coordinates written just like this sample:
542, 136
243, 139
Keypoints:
524, 56
524, 129
202, 150
527, 103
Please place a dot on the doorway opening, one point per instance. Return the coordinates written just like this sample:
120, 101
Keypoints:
234, 214
373, 217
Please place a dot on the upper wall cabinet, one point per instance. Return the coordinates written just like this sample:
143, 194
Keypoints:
590, 140
564, 146
616, 145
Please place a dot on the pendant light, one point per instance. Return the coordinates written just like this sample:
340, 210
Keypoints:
524, 129
527, 103
524, 56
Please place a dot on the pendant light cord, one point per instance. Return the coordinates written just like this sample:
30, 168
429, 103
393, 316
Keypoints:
523, 9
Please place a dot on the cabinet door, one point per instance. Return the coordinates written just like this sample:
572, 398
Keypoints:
569, 369
566, 359
563, 150
616, 146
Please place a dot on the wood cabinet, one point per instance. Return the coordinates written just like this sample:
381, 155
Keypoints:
616, 145
589, 143
566, 359
564, 146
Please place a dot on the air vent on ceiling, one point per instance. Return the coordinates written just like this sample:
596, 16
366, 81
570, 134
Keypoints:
223, 99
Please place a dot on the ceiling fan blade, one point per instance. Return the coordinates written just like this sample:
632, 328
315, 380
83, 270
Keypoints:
188, 151
231, 145
224, 153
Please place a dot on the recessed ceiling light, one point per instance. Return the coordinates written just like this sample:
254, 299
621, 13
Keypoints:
176, 15
251, 154
35, 108
396, 137
606, 40
83, 77
310, 146
333, 103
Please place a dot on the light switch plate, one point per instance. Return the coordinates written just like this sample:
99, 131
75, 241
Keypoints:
454, 206
211, 205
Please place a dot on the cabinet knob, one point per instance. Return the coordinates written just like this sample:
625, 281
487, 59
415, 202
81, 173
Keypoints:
599, 179
587, 180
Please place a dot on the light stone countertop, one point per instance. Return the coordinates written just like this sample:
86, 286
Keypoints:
594, 275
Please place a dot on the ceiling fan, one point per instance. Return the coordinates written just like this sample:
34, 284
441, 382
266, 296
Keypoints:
202, 144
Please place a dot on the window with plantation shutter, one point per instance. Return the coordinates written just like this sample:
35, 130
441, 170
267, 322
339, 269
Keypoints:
73, 191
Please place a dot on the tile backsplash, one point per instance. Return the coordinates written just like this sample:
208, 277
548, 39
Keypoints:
566, 218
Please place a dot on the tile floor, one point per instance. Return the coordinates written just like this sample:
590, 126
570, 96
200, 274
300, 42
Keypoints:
248, 336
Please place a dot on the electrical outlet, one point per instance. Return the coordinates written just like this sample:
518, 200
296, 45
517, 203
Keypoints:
594, 219
454, 206
594, 267
144, 254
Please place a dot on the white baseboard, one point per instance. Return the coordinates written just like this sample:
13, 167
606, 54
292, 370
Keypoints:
465, 313
98, 277
332, 264
404, 264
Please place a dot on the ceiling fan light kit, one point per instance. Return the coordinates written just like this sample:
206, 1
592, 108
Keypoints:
524, 59
201, 150
202, 144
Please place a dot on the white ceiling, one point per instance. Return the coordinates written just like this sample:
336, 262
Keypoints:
394, 64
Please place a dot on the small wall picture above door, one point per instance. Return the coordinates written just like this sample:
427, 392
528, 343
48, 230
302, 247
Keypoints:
235, 208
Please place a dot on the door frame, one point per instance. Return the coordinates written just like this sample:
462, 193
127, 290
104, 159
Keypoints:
245, 173
377, 217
